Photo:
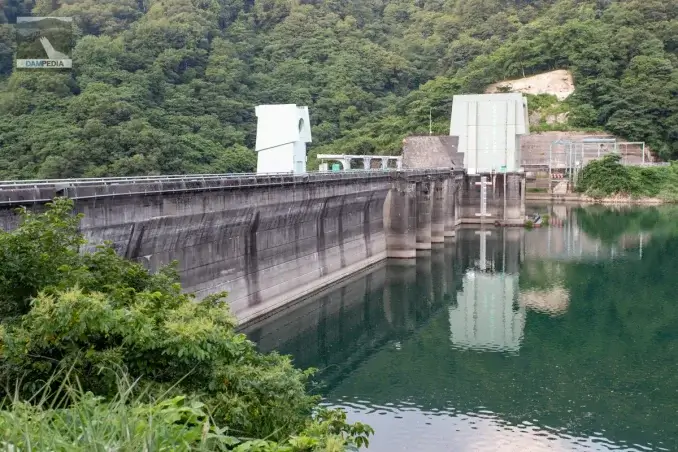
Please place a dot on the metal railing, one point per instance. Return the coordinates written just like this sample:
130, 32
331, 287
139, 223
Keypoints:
649, 164
211, 177
540, 163
133, 179
44, 190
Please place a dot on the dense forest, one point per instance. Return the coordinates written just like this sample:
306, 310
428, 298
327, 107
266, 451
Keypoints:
169, 86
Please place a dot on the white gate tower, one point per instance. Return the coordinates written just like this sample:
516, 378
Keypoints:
489, 127
282, 133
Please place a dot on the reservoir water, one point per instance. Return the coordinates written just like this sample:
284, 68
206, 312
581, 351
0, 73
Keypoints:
562, 338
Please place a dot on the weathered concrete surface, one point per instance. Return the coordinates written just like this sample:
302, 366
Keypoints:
438, 211
267, 241
424, 211
451, 209
505, 199
432, 152
400, 220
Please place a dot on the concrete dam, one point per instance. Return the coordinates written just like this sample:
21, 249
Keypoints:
271, 239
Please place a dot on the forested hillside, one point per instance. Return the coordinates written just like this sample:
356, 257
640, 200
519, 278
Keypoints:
169, 86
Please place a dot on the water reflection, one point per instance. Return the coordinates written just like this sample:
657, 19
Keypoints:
484, 317
482, 430
567, 240
496, 343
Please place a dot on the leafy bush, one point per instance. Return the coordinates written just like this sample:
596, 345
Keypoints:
85, 422
35, 256
96, 313
607, 177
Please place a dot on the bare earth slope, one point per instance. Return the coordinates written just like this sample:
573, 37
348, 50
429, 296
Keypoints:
558, 83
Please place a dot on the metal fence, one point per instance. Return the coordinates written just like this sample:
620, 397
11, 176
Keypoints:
37, 191
311, 175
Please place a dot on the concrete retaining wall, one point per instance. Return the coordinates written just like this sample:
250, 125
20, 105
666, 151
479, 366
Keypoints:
267, 243
270, 240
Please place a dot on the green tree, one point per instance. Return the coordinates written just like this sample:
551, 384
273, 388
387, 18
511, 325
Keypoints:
85, 316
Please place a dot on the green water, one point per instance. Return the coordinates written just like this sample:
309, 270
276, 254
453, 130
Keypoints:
559, 339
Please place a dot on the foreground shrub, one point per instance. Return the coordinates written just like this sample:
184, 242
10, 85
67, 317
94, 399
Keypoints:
87, 423
94, 312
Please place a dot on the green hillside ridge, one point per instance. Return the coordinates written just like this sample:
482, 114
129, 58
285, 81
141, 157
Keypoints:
169, 86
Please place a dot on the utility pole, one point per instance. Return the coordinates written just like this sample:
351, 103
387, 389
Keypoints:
430, 121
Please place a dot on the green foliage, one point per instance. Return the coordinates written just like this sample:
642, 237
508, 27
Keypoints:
607, 177
541, 101
170, 86
95, 313
85, 422
131, 421
36, 255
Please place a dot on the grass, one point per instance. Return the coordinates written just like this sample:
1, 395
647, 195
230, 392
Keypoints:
77, 421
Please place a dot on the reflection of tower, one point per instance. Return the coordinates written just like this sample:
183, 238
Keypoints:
484, 318
482, 261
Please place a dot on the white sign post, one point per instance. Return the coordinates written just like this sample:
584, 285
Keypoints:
483, 197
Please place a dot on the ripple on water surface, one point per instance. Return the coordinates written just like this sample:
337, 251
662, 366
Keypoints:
404, 427
507, 340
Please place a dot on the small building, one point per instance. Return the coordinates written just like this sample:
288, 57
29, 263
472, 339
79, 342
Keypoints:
282, 133
489, 128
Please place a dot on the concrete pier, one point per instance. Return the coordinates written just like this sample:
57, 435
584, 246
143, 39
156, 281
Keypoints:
505, 202
400, 220
438, 212
424, 213
450, 213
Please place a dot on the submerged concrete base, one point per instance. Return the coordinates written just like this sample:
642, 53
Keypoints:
271, 306
402, 254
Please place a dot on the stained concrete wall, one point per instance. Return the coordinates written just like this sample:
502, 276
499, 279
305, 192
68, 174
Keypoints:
400, 220
380, 301
424, 193
267, 241
420, 213
505, 198
432, 152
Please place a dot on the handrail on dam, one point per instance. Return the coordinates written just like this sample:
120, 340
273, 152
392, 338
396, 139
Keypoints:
38, 191
199, 177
